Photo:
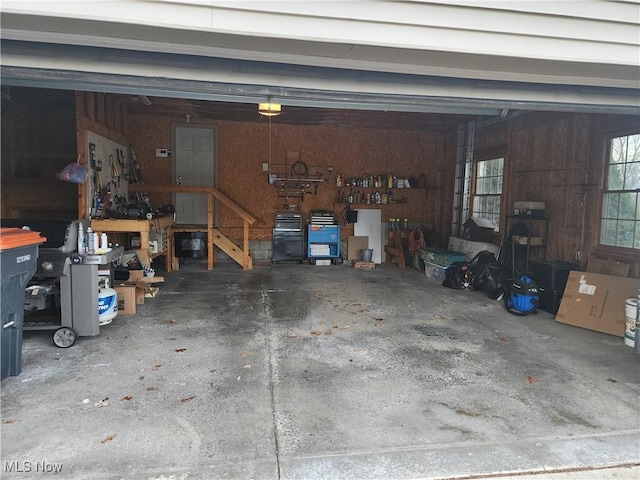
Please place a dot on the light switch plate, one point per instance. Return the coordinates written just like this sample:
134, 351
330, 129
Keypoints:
162, 152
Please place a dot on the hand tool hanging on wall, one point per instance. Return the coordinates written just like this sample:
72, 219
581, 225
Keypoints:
136, 177
94, 180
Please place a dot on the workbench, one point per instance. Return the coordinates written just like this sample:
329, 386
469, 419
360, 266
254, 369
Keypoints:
143, 228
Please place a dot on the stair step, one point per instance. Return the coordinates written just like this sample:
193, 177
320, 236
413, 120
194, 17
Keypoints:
230, 248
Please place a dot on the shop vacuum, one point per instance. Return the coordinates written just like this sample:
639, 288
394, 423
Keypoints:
522, 297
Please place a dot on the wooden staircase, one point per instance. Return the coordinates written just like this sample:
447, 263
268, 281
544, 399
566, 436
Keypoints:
215, 238
225, 244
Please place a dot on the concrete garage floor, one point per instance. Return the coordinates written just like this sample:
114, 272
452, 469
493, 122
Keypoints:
304, 372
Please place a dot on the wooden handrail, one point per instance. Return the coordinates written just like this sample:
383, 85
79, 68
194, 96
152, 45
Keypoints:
143, 187
211, 193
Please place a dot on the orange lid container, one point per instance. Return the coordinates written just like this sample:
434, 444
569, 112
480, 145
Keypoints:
17, 237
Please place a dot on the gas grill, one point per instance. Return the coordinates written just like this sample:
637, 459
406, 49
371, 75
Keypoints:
63, 293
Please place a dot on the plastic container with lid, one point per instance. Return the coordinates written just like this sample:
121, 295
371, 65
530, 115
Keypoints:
18, 237
18, 263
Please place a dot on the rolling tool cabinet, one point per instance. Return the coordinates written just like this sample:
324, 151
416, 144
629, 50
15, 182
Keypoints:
323, 242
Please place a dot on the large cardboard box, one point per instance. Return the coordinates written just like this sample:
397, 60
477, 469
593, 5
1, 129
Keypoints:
608, 267
354, 245
597, 302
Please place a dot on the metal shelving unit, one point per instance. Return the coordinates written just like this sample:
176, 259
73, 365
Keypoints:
514, 243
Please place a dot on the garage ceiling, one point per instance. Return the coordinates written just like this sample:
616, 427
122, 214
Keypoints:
292, 115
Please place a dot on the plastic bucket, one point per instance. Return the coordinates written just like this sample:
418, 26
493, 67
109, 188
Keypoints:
366, 254
631, 311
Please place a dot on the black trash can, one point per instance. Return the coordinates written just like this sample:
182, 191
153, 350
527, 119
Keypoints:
18, 263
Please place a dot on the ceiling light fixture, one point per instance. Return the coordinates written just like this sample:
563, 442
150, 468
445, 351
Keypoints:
269, 109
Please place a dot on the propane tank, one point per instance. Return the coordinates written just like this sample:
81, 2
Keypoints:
107, 305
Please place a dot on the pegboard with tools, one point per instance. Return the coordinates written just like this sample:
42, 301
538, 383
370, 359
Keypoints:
107, 188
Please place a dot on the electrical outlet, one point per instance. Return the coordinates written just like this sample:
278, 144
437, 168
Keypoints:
265, 167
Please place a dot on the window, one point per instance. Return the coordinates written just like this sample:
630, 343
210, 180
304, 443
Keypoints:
620, 226
488, 190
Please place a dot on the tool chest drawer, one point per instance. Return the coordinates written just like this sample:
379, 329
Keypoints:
324, 233
323, 241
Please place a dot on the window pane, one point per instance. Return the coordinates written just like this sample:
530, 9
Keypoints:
496, 204
616, 177
618, 150
608, 235
485, 185
627, 209
632, 176
625, 233
633, 148
494, 185
637, 240
611, 203
488, 187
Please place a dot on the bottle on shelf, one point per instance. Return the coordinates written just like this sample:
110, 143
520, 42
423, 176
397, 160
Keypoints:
81, 241
405, 225
90, 245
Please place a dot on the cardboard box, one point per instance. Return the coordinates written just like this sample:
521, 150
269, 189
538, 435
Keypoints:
140, 295
608, 267
153, 291
138, 276
597, 302
354, 245
534, 241
126, 299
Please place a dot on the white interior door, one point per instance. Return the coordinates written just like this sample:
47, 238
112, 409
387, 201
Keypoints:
195, 165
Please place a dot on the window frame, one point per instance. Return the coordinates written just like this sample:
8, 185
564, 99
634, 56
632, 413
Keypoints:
474, 186
611, 251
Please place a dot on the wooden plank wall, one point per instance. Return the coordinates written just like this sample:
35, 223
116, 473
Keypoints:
100, 114
556, 158
38, 140
243, 147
